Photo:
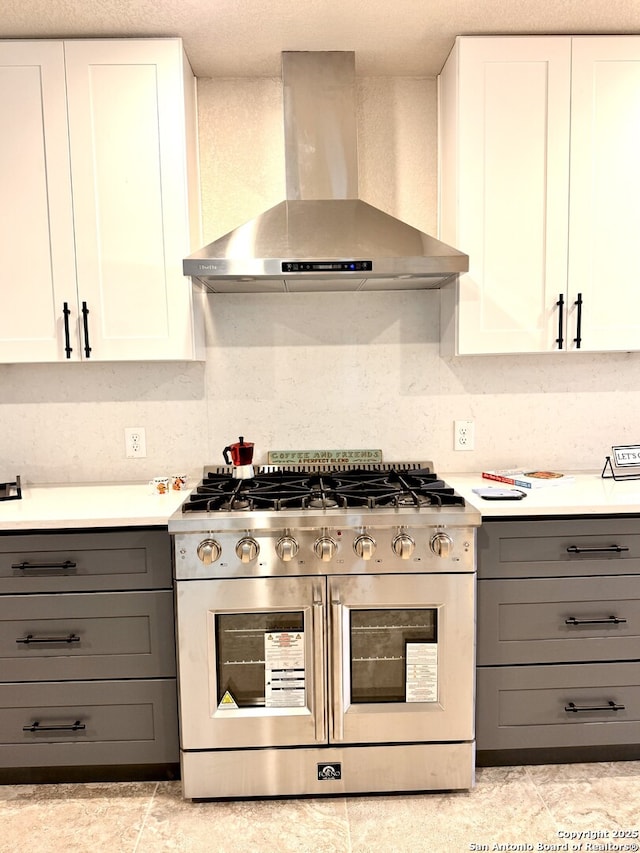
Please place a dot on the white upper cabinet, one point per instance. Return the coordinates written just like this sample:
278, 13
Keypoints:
104, 192
539, 185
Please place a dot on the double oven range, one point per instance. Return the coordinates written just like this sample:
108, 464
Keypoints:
325, 632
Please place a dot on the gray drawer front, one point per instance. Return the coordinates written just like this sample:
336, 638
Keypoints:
83, 561
88, 635
525, 621
545, 548
524, 706
126, 722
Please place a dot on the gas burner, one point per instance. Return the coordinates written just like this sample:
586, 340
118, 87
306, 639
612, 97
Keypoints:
409, 499
321, 503
236, 504
324, 501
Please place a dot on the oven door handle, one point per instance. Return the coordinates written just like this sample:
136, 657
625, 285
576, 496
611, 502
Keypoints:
319, 677
337, 696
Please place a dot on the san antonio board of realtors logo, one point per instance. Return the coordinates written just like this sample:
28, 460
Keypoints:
329, 772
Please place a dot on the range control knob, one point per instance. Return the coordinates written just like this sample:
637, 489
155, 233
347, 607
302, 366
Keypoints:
365, 546
247, 549
441, 545
209, 551
403, 545
325, 547
287, 548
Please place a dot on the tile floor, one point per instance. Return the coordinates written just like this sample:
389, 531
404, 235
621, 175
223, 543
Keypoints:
577, 807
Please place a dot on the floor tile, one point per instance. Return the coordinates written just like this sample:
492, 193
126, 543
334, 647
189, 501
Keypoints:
593, 798
73, 818
249, 826
503, 808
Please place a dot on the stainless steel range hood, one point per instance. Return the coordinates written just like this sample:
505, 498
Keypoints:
323, 238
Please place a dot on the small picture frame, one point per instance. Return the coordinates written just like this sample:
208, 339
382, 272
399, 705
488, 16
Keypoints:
623, 456
627, 456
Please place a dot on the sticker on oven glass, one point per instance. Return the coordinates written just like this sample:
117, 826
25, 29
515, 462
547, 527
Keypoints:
227, 702
284, 674
422, 672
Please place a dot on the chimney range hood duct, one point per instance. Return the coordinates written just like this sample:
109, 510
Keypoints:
322, 238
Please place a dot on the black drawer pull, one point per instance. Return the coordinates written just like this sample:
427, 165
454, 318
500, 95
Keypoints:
67, 344
560, 304
610, 706
608, 620
615, 549
578, 338
36, 727
25, 564
85, 323
71, 638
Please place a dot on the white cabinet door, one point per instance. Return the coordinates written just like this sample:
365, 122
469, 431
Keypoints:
504, 148
37, 261
134, 189
604, 261
99, 202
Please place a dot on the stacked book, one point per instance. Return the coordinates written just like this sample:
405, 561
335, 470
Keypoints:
528, 479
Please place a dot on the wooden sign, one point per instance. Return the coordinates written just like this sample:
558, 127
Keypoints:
324, 457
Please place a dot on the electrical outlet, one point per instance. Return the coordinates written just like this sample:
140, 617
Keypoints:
464, 435
135, 443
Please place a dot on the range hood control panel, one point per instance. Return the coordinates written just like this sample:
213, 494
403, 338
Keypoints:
327, 266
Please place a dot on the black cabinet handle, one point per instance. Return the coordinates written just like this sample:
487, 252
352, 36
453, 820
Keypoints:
67, 342
70, 638
85, 323
609, 620
26, 565
36, 727
609, 549
560, 304
572, 708
578, 338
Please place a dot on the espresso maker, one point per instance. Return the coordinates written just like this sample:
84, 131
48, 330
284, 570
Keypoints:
240, 455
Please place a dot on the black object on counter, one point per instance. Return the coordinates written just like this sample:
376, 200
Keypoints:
11, 491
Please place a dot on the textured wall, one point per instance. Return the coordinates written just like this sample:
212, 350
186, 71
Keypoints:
316, 370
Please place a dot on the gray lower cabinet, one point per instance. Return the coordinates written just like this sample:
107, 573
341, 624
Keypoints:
88, 723
558, 654
80, 561
87, 636
87, 655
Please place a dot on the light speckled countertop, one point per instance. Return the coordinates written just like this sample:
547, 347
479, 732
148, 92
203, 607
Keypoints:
88, 505
587, 494
128, 505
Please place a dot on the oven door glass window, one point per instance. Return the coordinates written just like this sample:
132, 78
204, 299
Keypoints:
394, 655
260, 659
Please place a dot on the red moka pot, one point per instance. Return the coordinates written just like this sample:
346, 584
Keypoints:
241, 453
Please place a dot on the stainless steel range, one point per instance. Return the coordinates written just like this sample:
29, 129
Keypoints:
325, 632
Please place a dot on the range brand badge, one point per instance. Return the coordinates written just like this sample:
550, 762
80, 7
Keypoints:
329, 772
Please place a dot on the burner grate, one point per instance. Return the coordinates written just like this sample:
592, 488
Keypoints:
376, 486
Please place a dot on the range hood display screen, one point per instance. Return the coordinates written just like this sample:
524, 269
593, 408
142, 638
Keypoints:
327, 266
